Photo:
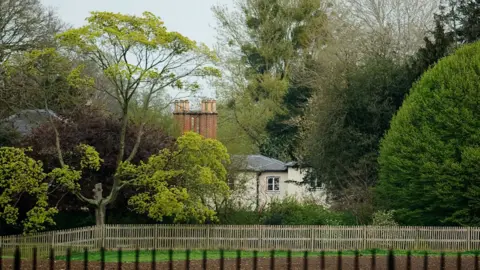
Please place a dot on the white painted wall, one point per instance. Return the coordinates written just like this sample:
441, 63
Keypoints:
246, 196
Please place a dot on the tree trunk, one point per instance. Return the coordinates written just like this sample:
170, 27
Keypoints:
100, 212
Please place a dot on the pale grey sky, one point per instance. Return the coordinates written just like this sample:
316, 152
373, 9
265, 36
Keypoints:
192, 18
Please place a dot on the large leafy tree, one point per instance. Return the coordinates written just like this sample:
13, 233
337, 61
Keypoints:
350, 113
141, 60
100, 129
264, 41
185, 182
429, 159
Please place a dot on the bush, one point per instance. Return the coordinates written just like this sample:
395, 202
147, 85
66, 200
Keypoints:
285, 212
291, 212
430, 158
384, 218
243, 216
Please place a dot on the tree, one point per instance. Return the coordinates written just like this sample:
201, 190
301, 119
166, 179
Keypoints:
350, 112
186, 182
283, 128
389, 28
347, 132
460, 19
100, 129
264, 41
22, 178
141, 60
44, 79
25, 25
429, 159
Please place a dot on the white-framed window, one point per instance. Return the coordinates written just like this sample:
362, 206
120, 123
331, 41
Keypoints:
273, 183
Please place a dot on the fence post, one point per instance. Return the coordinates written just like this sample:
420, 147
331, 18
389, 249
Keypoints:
53, 239
469, 238
155, 237
364, 240
312, 239
260, 231
208, 236
103, 228
417, 238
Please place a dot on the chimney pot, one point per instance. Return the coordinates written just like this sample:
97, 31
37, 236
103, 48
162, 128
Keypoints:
181, 106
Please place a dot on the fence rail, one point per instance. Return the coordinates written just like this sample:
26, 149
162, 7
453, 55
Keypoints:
248, 237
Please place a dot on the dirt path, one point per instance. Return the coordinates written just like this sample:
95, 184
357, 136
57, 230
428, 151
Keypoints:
264, 263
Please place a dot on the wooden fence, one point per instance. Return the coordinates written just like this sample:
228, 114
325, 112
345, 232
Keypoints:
311, 238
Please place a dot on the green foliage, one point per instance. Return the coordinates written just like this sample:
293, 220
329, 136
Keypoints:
141, 59
266, 40
67, 177
283, 128
288, 211
384, 218
291, 212
90, 157
429, 159
8, 135
461, 18
21, 176
350, 123
44, 79
238, 216
137, 52
184, 182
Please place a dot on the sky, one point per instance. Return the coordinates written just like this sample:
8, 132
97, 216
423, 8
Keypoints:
192, 18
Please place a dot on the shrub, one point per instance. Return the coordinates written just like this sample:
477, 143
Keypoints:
383, 218
430, 158
291, 212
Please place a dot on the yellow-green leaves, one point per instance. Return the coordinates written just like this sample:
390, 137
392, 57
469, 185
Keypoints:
21, 176
139, 55
66, 177
41, 78
184, 182
90, 157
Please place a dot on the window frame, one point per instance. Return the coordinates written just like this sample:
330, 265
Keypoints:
275, 179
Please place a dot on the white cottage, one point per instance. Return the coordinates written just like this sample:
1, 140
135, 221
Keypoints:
260, 179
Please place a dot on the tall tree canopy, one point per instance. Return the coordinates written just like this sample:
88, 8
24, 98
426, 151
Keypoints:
141, 60
267, 40
429, 159
351, 110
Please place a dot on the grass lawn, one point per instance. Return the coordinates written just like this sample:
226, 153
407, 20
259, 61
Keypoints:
146, 256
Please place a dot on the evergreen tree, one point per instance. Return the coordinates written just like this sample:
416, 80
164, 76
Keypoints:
429, 159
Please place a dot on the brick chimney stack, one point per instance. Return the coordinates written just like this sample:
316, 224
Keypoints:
203, 122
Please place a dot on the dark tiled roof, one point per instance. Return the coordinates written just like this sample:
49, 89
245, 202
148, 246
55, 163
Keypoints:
26, 120
259, 163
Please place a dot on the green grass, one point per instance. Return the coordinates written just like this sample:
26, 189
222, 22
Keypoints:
146, 256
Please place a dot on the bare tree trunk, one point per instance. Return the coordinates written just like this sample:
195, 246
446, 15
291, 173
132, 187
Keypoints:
100, 214
100, 205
